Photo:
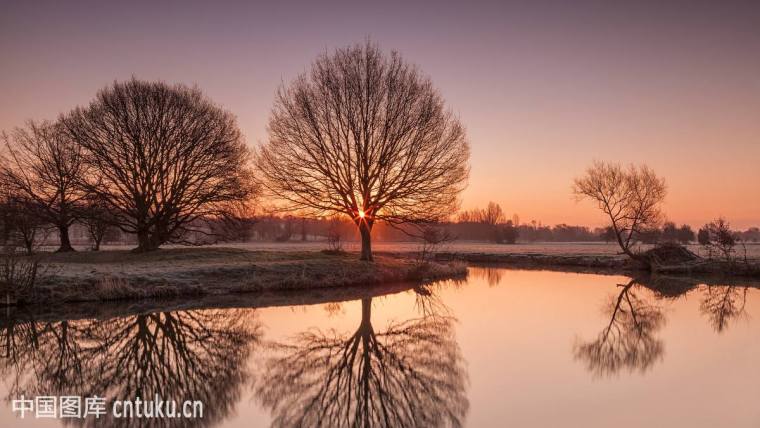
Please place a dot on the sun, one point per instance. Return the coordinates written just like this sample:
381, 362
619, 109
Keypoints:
361, 214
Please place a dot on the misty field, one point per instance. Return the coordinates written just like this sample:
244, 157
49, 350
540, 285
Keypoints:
547, 248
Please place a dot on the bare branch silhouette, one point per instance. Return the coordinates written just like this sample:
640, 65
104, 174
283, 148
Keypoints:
42, 165
722, 304
411, 374
365, 135
631, 198
197, 355
164, 158
628, 342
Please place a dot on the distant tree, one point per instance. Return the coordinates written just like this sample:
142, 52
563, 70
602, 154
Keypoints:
649, 235
721, 237
25, 227
509, 233
608, 234
98, 220
685, 234
334, 235
304, 228
287, 230
631, 198
365, 135
164, 159
469, 216
670, 232
42, 165
492, 214
703, 236
432, 237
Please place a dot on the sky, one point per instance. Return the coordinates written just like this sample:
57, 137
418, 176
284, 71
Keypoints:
543, 87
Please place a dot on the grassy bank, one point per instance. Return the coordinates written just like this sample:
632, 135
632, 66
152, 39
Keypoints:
115, 275
606, 263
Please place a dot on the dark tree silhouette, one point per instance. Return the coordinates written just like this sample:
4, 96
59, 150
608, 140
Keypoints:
24, 226
42, 166
98, 220
631, 198
628, 342
365, 135
409, 375
198, 355
720, 237
164, 158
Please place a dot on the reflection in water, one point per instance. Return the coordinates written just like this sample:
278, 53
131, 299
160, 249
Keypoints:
410, 374
722, 304
197, 355
629, 340
491, 275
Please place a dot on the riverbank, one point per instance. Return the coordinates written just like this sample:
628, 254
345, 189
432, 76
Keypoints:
117, 275
604, 263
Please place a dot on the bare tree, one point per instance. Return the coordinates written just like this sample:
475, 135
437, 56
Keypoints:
492, 215
24, 224
365, 135
98, 220
42, 165
720, 237
164, 157
631, 198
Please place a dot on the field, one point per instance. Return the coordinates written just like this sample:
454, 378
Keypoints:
547, 248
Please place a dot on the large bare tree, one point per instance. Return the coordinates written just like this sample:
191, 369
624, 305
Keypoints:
42, 165
165, 158
631, 198
366, 135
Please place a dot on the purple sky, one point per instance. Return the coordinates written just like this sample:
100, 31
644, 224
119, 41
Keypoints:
543, 87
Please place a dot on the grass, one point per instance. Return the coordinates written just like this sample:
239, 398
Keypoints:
117, 275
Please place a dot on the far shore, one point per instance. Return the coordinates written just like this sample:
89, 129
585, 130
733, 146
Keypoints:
607, 263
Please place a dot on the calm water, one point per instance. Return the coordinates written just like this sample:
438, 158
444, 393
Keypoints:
503, 348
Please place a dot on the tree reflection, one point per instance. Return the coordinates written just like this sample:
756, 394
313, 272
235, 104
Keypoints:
722, 304
491, 275
411, 374
629, 341
183, 355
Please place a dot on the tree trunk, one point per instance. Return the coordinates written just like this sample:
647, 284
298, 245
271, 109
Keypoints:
145, 242
365, 229
63, 232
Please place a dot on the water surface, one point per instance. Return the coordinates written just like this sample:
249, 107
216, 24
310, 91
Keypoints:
502, 348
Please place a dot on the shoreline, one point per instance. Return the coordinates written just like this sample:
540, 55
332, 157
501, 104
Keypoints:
216, 271
597, 263
201, 272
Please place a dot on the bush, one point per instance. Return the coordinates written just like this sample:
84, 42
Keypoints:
18, 274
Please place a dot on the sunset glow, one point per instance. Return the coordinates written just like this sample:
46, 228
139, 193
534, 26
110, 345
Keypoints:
542, 88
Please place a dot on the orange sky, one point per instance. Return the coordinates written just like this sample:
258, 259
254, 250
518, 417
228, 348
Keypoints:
543, 87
